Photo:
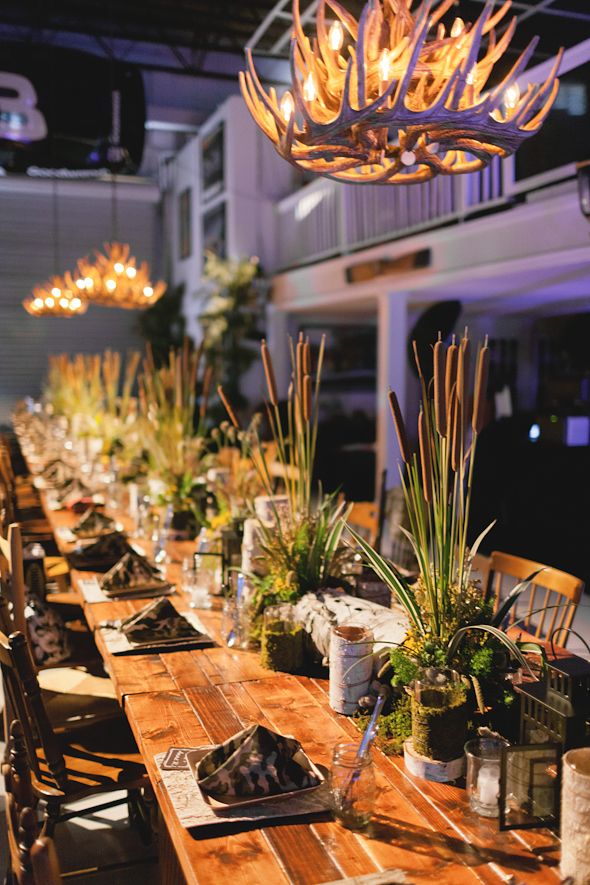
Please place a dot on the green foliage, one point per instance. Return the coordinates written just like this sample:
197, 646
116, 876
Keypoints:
394, 728
481, 663
404, 668
231, 319
163, 325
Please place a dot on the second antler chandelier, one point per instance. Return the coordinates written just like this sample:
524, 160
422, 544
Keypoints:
394, 98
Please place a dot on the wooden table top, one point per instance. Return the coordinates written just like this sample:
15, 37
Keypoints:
191, 698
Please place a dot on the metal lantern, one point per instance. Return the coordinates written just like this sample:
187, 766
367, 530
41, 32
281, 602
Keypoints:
558, 708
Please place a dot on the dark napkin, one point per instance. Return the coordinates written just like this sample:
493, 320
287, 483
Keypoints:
100, 556
72, 491
93, 523
132, 573
254, 762
159, 621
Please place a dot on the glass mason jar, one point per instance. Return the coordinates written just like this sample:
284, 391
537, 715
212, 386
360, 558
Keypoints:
352, 787
483, 774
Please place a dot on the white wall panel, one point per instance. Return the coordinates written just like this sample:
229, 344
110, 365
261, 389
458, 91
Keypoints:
27, 257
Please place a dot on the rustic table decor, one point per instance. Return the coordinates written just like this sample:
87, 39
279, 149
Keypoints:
575, 816
394, 99
452, 624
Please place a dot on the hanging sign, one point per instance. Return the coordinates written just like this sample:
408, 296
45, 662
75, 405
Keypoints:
56, 112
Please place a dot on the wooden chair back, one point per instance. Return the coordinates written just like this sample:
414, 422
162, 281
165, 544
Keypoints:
547, 608
12, 574
480, 570
23, 694
33, 859
364, 519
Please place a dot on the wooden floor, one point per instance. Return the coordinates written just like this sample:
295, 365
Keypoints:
192, 698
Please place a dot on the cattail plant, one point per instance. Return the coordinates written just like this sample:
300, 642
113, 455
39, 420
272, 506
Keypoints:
171, 398
437, 483
302, 549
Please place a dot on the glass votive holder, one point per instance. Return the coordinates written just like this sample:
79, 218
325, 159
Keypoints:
230, 625
281, 639
483, 774
352, 787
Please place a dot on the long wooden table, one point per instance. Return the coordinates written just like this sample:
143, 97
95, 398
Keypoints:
192, 698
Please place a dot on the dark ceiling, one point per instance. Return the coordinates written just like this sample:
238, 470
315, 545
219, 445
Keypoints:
191, 28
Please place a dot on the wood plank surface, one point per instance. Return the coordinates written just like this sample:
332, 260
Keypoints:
192, 698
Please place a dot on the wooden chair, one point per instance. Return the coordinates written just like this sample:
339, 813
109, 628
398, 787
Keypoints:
76, 692
367, 517
547, 608
68, 767
480, 570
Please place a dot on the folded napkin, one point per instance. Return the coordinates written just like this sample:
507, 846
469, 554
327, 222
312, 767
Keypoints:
93, 523
254, 762
132, 572
156, 622
102, 555
72, 491
56, 473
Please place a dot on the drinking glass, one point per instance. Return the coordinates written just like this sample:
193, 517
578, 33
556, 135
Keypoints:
352, 787
193, 585
483, 774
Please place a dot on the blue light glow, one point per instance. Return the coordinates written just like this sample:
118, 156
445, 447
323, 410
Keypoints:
534, 432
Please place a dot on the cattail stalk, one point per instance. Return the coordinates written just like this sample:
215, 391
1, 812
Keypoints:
450, 373
307, 406
269, 373
207, 378
425, 461
481, 383
400, 427
228, 407
440, 412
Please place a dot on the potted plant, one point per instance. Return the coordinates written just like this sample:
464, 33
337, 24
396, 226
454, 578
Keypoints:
301, 533
168, 404
452, 626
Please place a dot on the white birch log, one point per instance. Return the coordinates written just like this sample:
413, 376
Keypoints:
575, 816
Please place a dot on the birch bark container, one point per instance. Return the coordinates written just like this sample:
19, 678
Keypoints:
351, 666
575, 816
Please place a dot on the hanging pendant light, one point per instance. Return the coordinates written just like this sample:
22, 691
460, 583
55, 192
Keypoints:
113, 279
394, 98
59, 296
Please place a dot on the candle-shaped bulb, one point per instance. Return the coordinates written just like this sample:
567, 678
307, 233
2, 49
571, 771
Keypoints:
148, 291
111, 285
309, 90
336, 36
38, 303
287, 106
56, 292
470, 78
88, 282
511, 97
49, 301
119, 268
76, 303
458, 27
131, 272
385, 66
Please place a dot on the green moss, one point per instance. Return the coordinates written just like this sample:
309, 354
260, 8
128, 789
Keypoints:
281, 647
440, 732
394, 728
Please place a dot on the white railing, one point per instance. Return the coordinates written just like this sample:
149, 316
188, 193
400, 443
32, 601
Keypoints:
328, 218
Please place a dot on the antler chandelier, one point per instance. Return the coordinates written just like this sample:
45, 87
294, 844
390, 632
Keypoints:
394, 98
59, 297
115, 280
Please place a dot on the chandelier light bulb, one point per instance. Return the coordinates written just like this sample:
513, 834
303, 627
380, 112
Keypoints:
512, 97
76, 303
407, 84
38, 303
111, 285
287, 106
119, 268
336, 36
385, 67
63, 302
49, 301
56, 292
148, 291
88, 282
458, 27
309, 90
80, 283
131, 272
